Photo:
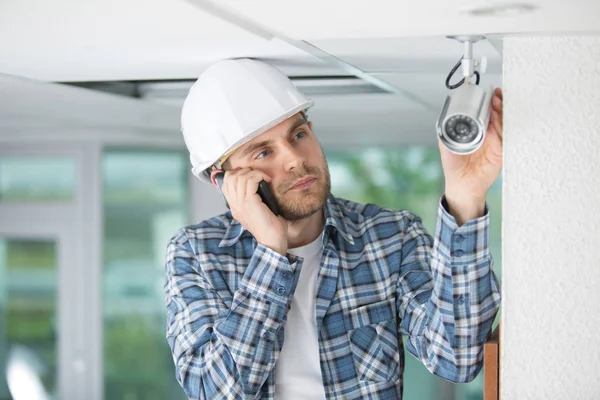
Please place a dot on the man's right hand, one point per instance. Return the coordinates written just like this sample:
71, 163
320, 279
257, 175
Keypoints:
240, 188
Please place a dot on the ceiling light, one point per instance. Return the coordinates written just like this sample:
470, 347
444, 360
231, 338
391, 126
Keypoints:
501, 10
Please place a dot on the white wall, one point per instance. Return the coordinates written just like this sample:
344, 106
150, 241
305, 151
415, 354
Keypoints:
551, 227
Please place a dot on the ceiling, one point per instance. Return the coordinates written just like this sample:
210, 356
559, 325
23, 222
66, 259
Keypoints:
163, 45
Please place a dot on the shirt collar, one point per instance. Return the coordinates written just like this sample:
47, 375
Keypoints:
334, 217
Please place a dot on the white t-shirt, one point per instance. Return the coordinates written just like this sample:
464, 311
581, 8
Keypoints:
298, 369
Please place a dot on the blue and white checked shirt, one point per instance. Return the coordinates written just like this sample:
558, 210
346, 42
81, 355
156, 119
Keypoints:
382, 277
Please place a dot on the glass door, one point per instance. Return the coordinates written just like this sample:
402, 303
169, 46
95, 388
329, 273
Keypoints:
29, 329
50, 336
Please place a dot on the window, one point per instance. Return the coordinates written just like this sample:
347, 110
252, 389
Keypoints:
37, 178
145, 202
28, 325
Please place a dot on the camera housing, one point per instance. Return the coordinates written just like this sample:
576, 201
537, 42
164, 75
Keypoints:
463, 121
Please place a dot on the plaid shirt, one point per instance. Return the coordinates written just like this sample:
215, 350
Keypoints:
382, 277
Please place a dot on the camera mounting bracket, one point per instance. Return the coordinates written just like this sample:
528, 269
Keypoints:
467, 61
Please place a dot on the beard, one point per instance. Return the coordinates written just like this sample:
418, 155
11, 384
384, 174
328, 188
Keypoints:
299, 204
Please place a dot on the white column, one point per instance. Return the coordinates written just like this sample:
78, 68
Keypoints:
551, 219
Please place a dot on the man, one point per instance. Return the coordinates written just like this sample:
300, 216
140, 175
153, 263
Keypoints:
313, 303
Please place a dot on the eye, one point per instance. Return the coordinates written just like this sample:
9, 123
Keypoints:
299, 135
262, 154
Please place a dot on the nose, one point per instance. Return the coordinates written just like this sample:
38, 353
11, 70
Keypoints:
292, 158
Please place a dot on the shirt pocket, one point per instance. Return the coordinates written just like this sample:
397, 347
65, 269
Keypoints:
374, 341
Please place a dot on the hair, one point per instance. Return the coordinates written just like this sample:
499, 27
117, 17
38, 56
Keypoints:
226, 165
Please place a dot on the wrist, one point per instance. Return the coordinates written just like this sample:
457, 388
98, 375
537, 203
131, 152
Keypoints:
277, 247
460, 195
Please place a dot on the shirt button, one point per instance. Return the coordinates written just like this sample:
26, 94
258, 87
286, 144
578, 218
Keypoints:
459, 238
461, 300
267, 335
281, 290
287, 275
459, 253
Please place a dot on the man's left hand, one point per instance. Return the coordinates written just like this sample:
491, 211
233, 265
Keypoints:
468, 177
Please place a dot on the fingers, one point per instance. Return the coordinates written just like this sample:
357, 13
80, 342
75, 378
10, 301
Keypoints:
496, 119
498, 93
240, 188
241, 180
252, 185
497, 104
496, 122
493, 145
241, 184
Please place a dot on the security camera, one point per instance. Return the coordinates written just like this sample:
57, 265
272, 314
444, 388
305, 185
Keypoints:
463, 122
464, 119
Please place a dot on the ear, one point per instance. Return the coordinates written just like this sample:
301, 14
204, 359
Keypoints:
213, 175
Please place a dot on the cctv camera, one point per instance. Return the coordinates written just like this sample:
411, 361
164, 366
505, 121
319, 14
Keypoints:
464, 118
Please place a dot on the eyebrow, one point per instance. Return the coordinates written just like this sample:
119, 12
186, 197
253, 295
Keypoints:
255, 146
264, 143
295, 125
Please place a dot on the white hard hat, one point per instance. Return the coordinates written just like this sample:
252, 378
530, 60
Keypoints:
231, 103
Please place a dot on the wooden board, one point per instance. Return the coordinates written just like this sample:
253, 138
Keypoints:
491, 367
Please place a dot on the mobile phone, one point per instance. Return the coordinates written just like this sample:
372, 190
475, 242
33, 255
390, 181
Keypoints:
263, 191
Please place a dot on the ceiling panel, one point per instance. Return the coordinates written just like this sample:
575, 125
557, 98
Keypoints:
35, 109
429, 54
63, 40
25, 101
314, 20
94, 40
161, 39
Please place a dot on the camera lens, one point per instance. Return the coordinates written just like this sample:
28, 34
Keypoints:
461, 129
